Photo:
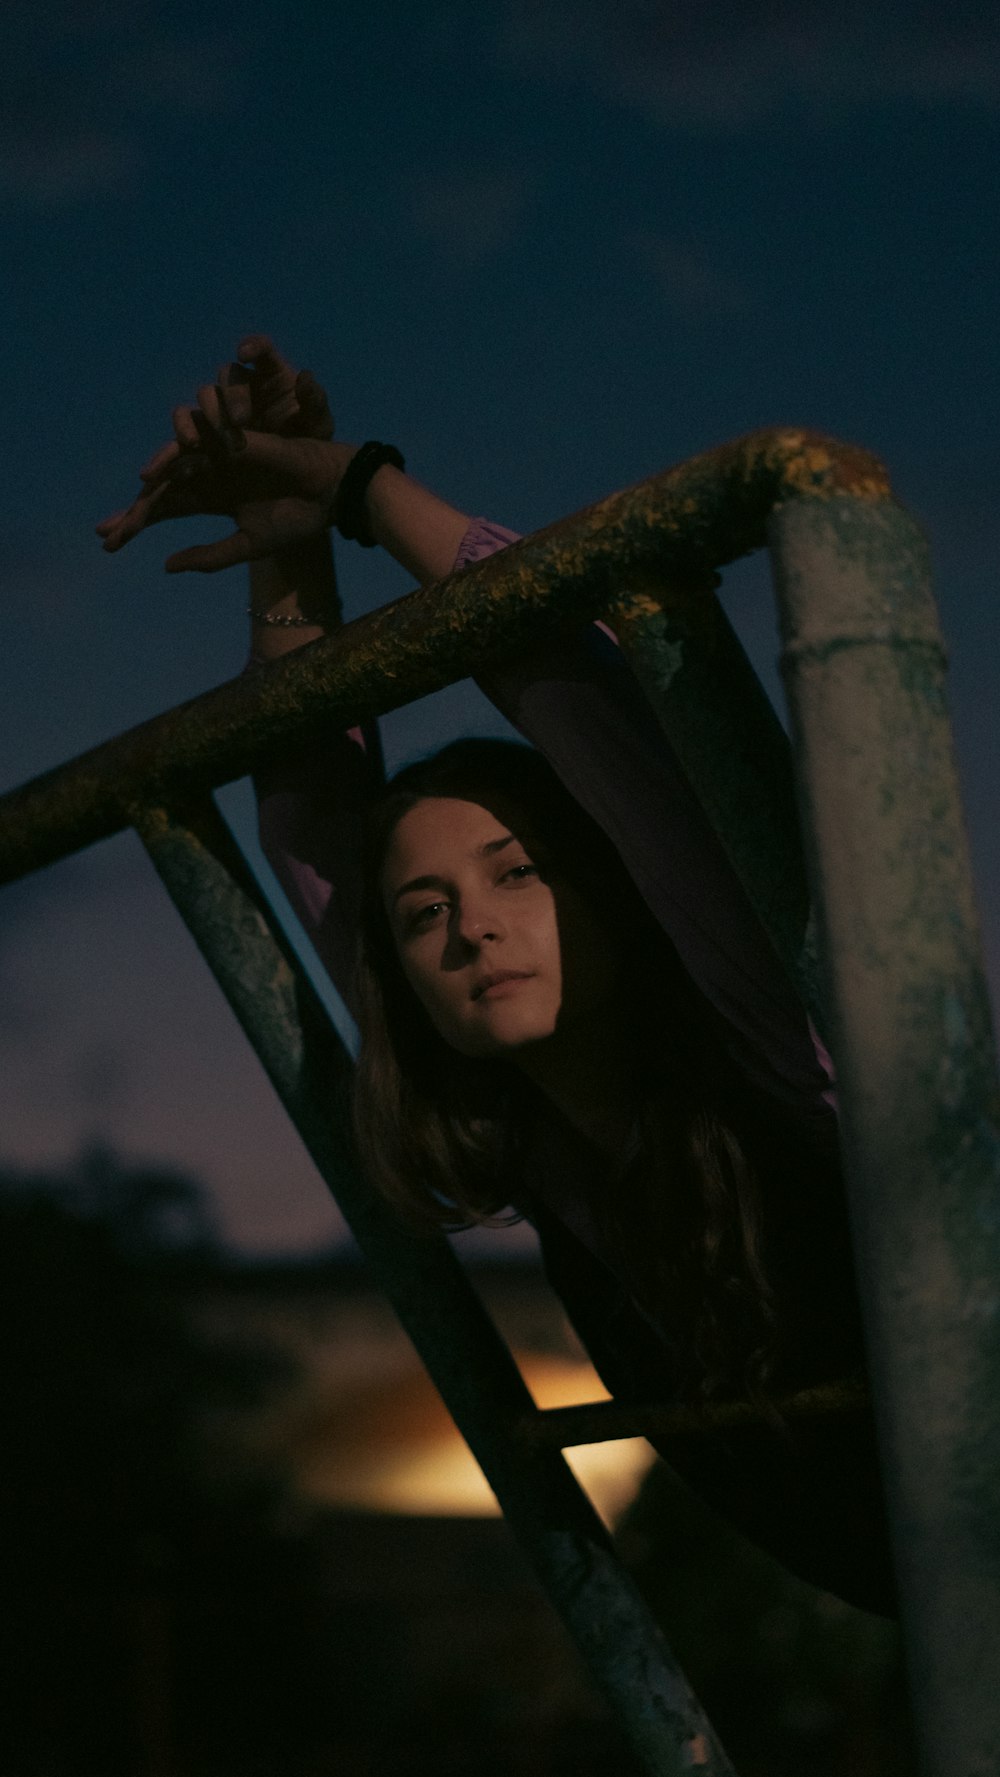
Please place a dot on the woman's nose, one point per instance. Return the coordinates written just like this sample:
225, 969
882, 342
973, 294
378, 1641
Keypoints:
478, 924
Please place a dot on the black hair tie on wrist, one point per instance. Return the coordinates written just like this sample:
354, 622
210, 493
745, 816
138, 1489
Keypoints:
349, 507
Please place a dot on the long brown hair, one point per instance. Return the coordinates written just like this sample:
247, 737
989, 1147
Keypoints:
442, 1135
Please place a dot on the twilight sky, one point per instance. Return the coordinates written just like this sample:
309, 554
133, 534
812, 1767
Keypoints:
546, 249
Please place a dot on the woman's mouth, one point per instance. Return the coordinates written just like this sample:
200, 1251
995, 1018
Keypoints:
498, 985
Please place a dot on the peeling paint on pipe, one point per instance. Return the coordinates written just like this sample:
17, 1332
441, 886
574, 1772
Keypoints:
910, 1031
598, 1422
706, 511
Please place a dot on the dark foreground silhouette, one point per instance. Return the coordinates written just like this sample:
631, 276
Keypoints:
171, 1611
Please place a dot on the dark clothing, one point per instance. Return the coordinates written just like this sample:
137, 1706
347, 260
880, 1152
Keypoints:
810, 1495
810, 1492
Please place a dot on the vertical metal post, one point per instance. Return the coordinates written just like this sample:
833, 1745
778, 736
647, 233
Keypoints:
911, 1037
209, 882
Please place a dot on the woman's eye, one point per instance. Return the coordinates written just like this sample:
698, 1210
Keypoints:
425, 916
422, 919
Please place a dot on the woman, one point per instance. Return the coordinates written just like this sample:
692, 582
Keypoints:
566, 1004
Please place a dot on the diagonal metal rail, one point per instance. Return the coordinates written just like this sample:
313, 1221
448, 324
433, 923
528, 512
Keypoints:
899, 991
205, 874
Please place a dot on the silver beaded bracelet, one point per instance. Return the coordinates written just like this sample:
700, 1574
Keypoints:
282, 622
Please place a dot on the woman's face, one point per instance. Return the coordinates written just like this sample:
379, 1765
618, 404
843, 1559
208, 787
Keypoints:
499, 952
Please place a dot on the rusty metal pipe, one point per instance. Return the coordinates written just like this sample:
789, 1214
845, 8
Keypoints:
911, 1036
687, 520
601, 1422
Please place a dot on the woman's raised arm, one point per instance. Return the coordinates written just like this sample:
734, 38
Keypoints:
575, 698
257, 446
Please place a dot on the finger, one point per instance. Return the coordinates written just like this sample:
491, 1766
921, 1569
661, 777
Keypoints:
280, 410
310, 393
218, 445
191, 464
126, 525
314, 409
234, 400
185, 429
274, 394
232, 373
260, 350
106, 525
211, 558
274, 381
160, 461
208, 402
166, 500
218, 438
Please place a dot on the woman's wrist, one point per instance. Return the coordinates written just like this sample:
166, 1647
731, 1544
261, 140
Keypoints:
293, 594
293, 598
421, 531
340, 455
416, 527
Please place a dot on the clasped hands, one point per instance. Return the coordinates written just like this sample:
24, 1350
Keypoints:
258, 447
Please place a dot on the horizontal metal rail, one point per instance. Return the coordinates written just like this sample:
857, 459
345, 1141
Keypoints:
680, 524
601, 1422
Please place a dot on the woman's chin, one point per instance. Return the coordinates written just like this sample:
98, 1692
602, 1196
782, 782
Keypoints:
507, 1039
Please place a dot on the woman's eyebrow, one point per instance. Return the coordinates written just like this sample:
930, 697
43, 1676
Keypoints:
488, 849
492, 846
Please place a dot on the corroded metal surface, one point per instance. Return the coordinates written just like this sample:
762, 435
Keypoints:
910, 1029
209, 882
696, 516
600, 1422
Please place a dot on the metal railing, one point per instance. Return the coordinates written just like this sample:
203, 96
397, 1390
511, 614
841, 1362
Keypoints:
893, 978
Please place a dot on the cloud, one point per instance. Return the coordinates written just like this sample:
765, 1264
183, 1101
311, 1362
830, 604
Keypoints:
197, 78
48, 170
717, 68
693, 281
470, 214
81, 87
58, 20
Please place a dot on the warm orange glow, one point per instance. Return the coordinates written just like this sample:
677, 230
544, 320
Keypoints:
407, 1457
